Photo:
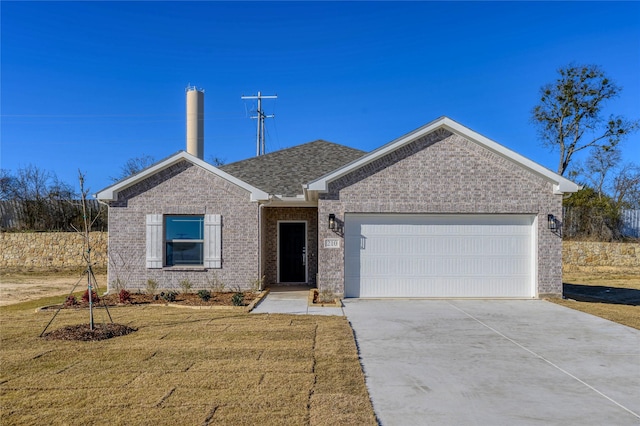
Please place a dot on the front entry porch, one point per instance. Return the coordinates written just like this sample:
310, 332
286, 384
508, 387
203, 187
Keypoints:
290, 246
292, 299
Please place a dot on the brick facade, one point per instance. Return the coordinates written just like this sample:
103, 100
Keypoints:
439, 173
442, 173
183, 189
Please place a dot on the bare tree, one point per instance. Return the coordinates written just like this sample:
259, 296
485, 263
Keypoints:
92, 284
569, 115
600, 165
7, 185
41, 196
134, 165
626, 187
217, 161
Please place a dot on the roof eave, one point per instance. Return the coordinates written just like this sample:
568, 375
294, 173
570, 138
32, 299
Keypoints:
322, 182
561, 184
111, 193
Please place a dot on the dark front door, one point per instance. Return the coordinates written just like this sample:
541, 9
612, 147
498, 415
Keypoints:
293, 256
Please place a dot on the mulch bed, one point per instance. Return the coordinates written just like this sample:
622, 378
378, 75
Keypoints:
319, 300
186, 299
84, 333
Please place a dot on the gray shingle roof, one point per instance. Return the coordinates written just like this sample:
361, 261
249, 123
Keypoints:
283, 172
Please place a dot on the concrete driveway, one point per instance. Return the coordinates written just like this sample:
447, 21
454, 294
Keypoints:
492, 362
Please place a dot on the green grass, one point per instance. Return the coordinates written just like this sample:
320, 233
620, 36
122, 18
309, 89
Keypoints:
181, 367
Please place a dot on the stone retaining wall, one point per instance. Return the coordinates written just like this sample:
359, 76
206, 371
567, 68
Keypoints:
593, 254
39, 251
63, 250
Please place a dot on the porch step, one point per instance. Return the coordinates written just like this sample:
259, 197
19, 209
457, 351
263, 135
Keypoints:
291, 300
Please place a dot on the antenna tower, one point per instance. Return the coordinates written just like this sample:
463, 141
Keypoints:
260, 116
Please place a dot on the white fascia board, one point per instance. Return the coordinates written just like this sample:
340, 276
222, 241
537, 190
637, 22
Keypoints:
110, 193
561, 184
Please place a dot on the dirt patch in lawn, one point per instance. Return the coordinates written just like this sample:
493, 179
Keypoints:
23, 287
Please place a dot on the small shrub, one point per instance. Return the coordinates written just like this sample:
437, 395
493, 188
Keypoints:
94, 296
326, 296
237, 299
152, 286
257, 284
71, 300
185, 285
169, 296
117, 284
214, 283
124, 296
205, 295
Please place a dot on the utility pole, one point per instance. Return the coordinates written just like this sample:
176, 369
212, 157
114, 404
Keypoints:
260, 115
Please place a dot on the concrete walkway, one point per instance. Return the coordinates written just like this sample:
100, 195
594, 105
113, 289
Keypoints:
292, 300
495, 362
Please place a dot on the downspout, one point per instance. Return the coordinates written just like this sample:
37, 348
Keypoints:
107, 205
260, 269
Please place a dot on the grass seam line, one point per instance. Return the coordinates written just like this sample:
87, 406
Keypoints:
209, 417
165, 397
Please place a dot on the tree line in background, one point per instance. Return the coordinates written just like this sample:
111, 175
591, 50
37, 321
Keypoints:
569, 119
34, 199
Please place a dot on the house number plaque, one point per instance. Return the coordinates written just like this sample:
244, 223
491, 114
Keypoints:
331, 243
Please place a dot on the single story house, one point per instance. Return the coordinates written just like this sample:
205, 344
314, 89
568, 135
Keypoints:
439, 212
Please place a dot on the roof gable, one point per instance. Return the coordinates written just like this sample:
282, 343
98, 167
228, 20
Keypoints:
111, 193
560, 184
284, 172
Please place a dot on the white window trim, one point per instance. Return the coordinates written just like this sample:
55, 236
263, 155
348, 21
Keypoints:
155, 242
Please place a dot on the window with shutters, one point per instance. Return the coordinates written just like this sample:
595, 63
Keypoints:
184, 240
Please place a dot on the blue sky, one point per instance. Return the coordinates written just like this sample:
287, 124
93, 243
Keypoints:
88, 85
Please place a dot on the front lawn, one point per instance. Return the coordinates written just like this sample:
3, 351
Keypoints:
182, 367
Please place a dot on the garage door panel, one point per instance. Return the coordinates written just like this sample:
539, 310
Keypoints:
445, 287
455, 244
438, 256
442, 266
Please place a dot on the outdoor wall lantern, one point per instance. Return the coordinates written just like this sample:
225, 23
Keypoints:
551, 222
332, 222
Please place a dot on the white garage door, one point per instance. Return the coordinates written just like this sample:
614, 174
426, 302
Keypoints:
439, 256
